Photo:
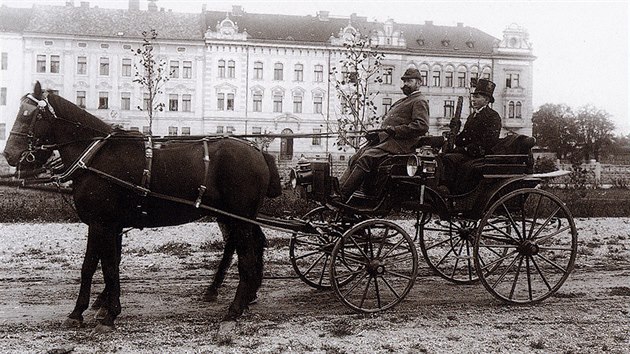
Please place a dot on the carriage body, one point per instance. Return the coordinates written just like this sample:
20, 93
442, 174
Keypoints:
518, 240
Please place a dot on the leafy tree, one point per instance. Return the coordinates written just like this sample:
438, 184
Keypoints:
594, 131
151, 74
354, 79
554, 127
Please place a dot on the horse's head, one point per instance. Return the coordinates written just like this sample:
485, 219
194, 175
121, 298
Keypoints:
30, 132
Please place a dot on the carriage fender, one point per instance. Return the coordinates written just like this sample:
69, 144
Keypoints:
275, 187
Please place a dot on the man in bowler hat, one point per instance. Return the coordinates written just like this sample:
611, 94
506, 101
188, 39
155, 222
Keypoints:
480, 134
404, 123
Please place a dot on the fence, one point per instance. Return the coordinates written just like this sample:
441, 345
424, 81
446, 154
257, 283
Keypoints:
598, 174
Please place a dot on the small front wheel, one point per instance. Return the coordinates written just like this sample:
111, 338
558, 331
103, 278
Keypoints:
373, 266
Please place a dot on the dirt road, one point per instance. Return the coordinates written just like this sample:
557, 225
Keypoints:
165, 271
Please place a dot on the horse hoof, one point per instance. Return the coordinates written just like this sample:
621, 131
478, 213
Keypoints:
210, 296
103, 329
100, 314
72, 323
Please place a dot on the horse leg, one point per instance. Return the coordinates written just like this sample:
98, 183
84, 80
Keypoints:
99, 303
226, 259
90, 262
249, 248
110, 261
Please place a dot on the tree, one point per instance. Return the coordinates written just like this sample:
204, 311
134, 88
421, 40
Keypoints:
554, 127
151, 74
354, 79
594, 131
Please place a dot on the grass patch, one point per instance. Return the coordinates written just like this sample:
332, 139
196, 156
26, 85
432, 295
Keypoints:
180, 249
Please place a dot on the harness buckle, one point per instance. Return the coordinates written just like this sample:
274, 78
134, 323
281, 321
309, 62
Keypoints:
202, 190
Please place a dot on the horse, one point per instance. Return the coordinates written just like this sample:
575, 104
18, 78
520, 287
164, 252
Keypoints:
120, 180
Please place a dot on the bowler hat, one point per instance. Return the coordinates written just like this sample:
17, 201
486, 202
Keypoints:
486, 88
411, 73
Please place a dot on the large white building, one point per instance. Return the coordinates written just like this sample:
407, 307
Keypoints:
248, 73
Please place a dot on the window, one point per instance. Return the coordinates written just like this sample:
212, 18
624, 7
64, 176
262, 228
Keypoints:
145, 129
230, 102
319, 73
4, 61
174, 67
54, 64
104, 45
317, 104
257, 102
448, 78
146, 101
519, 107
256, 130
81, 99
297, 104
3, 131
125, 101
449, 109
231, 73
317, 139
173, 103
3, 96
185, 130
221, 71
229, 129
387, 104
258, 70
277, 102
126, 67
387, 76
424, 78
103, 100
187, 71
186, 105
461, 79
221, 102
41, 63
172, 131
436, 78
511, 109
219, 129
512, 81
104, 66
134, 129
299, 72
277, 71
82, 65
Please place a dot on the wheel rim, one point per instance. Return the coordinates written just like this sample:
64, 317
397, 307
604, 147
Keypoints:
310, 253
374, 266
530, 261
447, 247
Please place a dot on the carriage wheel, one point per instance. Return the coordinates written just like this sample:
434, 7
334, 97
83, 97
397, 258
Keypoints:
378, 261
310, 254
447, 247
532, 259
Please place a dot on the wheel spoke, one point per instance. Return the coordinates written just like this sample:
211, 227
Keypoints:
365, 291
553, 263
512, 222
451, 250
514, 241
531, 230
542, 276
545, 223
391, 288
356, 282
518, 271
547, 237
499, 260
507, 269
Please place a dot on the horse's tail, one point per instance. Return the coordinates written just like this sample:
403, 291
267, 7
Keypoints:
275, 188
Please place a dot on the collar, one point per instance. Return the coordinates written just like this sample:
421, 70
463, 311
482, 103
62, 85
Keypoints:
480, 109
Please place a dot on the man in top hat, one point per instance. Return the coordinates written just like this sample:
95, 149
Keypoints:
404, 123
481, 133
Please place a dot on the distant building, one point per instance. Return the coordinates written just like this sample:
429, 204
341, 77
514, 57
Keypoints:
248, 73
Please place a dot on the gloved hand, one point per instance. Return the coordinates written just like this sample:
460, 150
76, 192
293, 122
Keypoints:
372, 137
390, 131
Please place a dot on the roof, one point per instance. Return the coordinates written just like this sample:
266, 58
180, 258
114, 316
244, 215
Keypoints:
101, 22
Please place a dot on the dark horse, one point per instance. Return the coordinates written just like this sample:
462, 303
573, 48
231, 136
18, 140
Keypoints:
112, 190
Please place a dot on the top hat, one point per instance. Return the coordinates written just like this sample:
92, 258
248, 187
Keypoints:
411, 73
486, 88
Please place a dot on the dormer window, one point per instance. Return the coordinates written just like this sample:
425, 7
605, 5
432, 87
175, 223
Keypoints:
446, 42
470, 44
420, 41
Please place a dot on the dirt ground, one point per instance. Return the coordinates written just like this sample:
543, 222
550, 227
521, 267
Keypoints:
165, 271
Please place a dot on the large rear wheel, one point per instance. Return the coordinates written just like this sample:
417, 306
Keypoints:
529, 260
374, 266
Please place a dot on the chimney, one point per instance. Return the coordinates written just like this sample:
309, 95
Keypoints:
134, 5
85, 5
323, 15
237, 10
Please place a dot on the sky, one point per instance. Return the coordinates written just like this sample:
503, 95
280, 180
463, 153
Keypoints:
581, 46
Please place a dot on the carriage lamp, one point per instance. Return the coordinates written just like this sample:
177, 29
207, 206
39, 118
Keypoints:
302, 175
423, 160
412, 165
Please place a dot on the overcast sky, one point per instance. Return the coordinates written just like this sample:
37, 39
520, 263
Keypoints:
581, 46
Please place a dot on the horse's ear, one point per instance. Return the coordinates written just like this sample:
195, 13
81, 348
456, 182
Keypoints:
37, 90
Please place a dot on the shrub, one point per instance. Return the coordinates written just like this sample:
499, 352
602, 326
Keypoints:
544, 165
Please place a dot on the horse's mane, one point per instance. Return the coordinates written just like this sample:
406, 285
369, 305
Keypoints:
70, 111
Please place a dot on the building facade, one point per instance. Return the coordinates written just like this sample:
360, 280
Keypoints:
244, 73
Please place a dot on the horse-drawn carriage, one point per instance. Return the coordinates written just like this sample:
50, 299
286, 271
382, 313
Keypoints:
519, 241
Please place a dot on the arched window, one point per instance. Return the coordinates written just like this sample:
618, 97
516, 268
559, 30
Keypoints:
278, 69
518, 113
448, 76
436, 75
286, 145
511, 109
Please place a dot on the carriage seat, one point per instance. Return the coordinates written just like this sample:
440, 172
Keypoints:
510, 156
435, 142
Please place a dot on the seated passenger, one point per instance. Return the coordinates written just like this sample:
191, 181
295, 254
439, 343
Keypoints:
404, 123
481, 133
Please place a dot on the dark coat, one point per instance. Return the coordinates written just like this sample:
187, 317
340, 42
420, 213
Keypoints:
409, 118
480, 133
